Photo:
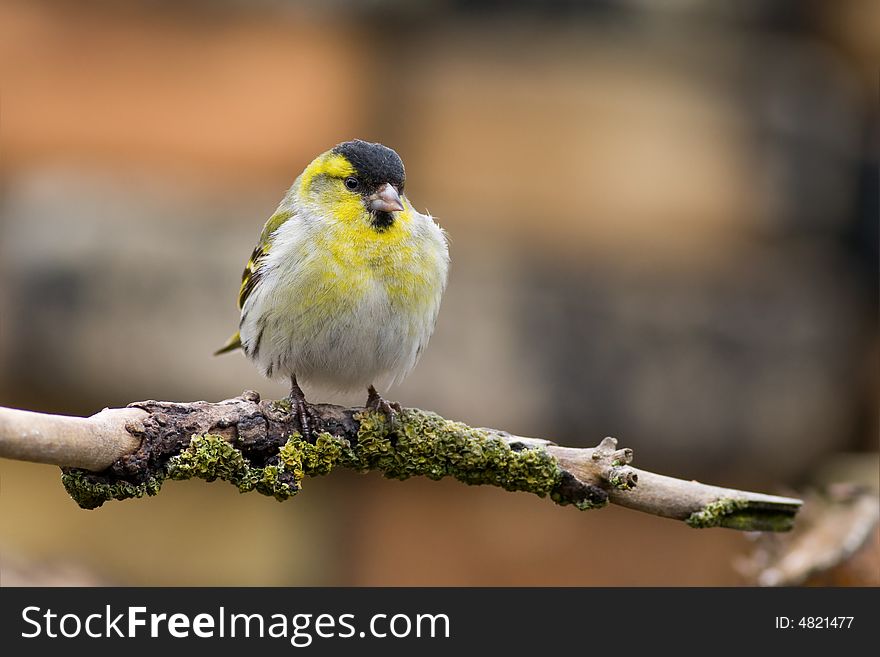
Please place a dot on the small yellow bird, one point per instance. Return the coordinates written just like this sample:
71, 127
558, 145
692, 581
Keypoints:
344, 286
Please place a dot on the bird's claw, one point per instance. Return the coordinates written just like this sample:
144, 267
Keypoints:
304, 416
300, 409
389, 409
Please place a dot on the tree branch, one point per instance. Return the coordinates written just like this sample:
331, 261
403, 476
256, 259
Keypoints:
257, 445
93, 443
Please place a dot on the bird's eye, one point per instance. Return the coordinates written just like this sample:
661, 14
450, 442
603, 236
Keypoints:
352, 183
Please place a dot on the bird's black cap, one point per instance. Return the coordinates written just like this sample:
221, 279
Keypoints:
375, 164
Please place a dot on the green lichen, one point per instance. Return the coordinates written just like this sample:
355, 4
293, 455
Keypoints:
91, 491
621, 478
272, 483
584, 503
760, 520
742, 515
421, 444
211, 457
305, 459
428, 445
717, 514
283, 406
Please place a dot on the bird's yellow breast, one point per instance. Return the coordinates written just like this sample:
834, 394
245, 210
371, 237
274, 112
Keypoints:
352, 261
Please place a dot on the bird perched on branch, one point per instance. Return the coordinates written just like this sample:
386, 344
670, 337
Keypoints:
344, 286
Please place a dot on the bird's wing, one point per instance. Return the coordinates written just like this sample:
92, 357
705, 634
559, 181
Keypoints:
252, 273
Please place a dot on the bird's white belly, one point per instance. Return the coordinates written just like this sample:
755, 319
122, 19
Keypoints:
342, 336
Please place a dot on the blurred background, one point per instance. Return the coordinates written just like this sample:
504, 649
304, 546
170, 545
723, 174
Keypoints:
664, 226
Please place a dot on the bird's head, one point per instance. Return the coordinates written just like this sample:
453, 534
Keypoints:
357, 181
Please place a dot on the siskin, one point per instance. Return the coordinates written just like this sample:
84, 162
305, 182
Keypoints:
344, 286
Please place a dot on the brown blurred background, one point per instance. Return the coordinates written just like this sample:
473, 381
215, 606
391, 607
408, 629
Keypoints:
664, 228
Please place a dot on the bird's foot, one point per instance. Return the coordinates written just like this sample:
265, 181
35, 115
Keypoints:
300, 409
389, 409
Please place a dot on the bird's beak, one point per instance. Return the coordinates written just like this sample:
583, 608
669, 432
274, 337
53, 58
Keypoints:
386, 199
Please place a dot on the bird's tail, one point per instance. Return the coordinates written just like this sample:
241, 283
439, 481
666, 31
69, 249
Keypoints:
231, 345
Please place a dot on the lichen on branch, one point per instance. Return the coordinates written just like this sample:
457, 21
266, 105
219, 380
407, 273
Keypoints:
422, 444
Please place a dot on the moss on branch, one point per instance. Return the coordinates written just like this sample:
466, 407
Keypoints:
741, 514
422, 444
91, 491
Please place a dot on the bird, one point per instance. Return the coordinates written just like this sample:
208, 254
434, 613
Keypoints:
344, 285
